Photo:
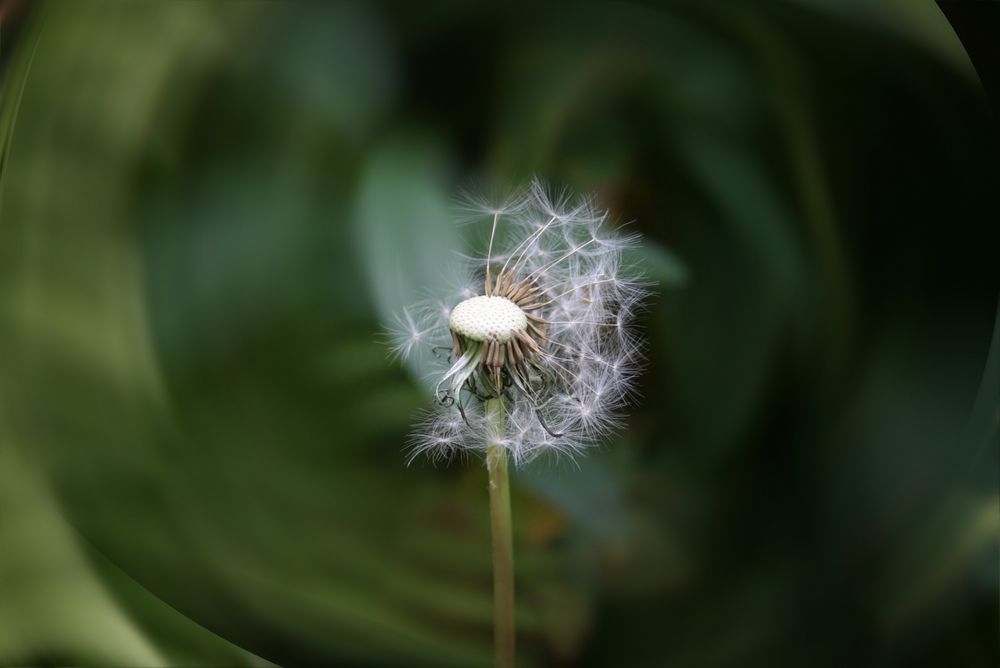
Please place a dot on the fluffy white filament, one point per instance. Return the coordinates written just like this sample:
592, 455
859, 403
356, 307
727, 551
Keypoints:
588, 299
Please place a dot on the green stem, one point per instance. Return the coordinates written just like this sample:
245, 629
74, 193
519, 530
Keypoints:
503, 551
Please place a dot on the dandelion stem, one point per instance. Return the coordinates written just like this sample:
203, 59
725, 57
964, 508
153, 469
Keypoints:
503, 551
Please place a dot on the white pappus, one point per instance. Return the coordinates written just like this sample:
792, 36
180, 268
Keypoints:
543, 320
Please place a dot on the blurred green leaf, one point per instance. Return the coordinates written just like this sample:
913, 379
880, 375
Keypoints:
404, 226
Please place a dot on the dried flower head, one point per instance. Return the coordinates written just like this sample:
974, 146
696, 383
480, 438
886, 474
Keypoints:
543, 321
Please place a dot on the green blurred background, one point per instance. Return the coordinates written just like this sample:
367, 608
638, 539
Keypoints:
208, 208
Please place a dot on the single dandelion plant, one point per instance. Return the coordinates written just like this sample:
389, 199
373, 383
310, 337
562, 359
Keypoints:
533, 352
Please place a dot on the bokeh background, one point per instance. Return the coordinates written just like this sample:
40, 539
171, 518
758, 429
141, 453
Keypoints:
209, 208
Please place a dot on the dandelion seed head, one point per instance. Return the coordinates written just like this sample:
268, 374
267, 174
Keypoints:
544, 320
